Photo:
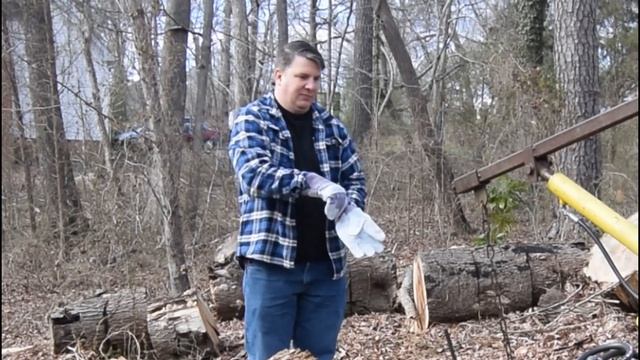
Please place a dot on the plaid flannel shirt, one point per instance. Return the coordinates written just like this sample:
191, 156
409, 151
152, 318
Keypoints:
261, 151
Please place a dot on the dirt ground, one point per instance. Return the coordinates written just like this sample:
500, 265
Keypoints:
584, 319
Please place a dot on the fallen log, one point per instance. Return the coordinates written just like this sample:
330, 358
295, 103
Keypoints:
461, 285
102, 321
182, 326
124, 323
371, 287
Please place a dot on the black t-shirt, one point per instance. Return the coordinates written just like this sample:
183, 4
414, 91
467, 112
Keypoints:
310, 217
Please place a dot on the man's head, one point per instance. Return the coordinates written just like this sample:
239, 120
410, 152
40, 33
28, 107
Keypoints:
297, 76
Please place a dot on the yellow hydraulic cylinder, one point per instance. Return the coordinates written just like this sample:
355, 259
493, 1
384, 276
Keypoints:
595, 210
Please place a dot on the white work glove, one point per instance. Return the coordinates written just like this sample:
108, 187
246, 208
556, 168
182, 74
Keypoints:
334, 195
359, 232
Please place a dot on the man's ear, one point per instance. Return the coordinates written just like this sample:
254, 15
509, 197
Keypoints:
277, 75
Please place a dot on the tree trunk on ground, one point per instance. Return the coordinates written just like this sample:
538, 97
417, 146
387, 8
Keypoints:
459, 285
94, 319
372, 283
109, 321
182, 326
418, 106
67, 216
174, 89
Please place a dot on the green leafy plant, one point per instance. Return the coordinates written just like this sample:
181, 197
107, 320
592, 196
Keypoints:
503, 198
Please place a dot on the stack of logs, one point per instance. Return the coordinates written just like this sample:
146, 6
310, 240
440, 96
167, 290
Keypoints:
462, 283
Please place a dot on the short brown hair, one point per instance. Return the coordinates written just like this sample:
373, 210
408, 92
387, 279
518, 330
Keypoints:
299, 48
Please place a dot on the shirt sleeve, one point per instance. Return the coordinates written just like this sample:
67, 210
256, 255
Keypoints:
250, 154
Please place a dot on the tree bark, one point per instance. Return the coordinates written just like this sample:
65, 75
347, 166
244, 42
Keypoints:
418, 106
182, 326
362, 70
168, 328
242, 87
283, 24
532, 14
372, 284
10, 91
204, 67
95, 87
174, 90
225, 72
63, 194
92, 320
313, 25
460, 287
576, 65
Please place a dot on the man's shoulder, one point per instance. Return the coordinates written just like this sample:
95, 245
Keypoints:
260, 110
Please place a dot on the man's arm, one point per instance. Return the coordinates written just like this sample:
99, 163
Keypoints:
250, 155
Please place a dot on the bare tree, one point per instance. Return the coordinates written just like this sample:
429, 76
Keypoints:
12, 95
532, 15
313, 26
243, 77
95, 87
362, 70
419, 109
283, 23
63, 194
203, 69
174, 90
225, 72
576, 66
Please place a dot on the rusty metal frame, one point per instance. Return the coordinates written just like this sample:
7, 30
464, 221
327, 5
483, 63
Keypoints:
536, 155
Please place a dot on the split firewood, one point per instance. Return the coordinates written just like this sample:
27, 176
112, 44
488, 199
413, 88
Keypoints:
293, 354
599, 270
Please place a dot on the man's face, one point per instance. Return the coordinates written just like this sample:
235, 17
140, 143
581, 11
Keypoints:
297, 85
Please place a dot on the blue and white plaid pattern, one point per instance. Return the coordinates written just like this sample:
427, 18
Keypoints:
261, 151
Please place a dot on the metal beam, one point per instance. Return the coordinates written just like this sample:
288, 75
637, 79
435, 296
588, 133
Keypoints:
612, 117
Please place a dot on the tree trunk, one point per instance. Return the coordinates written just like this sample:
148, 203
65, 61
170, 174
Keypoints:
94, 319
576, 65
362, 70
418, 106
10, 91
204, 66
108, 321
182, 326
372, 283
62, 191
254, 17
532, 15
313, 25
174, 89
95, 87
460, 287
283, 24
225, 72
243, 77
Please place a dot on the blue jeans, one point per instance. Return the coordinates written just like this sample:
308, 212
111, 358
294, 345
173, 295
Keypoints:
303, 304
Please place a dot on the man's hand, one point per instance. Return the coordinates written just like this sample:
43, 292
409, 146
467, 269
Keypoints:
359, 232
331, 193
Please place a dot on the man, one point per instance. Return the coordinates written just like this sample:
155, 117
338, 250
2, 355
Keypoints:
298, 173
